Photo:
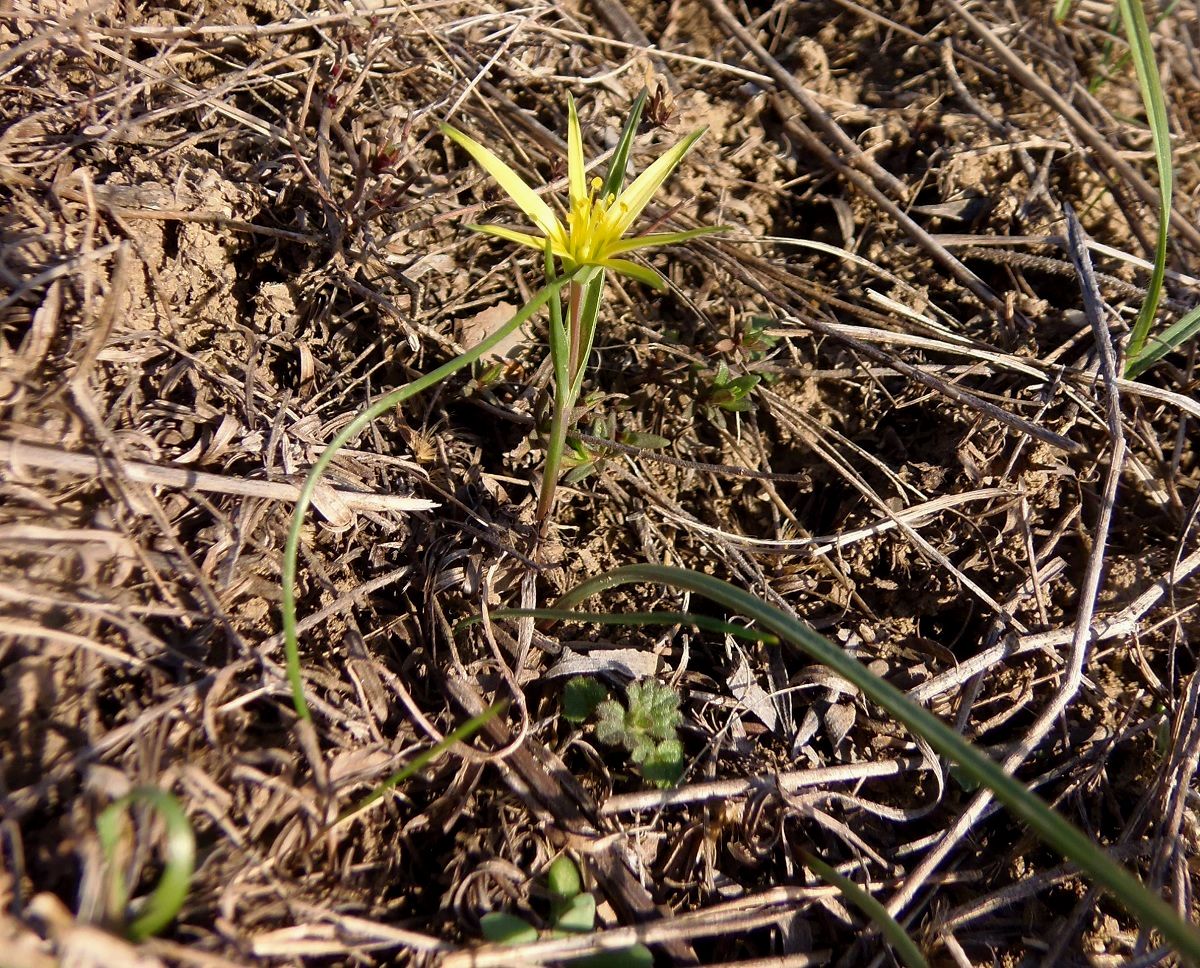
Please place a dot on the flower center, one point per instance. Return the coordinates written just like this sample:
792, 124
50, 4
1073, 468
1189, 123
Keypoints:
589, 228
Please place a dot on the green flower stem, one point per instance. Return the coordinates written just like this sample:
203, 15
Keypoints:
1150, 909
574, 310
356, 426
591, 311
570, 350
563, 350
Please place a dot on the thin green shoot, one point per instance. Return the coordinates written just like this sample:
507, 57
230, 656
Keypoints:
421, 760
1138, 32
704, 622
179, 863
1180, 332
1109, 68
891, 929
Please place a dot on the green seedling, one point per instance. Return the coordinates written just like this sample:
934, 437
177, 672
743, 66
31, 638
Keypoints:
582, 460
421, 760
1140, 353
1144, 350
750, 341
179, 862
724, 392
646, 727
572, 911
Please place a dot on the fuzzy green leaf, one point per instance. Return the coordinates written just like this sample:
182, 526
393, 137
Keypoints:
581, 696
610, 725
664, 766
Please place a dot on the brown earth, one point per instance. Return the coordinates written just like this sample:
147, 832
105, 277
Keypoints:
226, 227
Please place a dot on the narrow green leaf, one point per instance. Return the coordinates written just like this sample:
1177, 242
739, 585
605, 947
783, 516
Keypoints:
1155, 348
645, 441
1138, 32
905, 947
419, 762
580, 473
1148, 907
705, 622
620, 159
179, 862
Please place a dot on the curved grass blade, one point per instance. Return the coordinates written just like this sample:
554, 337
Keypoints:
891, 929
421, 760
1156, 347
1138, 32
705, 622
357, 425
179, 862
1056, 831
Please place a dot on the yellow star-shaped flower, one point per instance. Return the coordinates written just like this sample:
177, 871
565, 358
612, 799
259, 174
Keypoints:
595, 226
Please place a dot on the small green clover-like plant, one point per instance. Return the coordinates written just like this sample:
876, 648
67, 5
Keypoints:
646, 728
572, 911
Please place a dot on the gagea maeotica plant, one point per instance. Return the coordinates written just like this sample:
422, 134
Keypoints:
599, 216
578, 250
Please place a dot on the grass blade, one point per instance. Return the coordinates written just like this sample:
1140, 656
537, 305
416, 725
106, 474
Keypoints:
620, 159
705, 622
421, 760
179, 862
1186, 328
905, 947
1138, 32
1056, 831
